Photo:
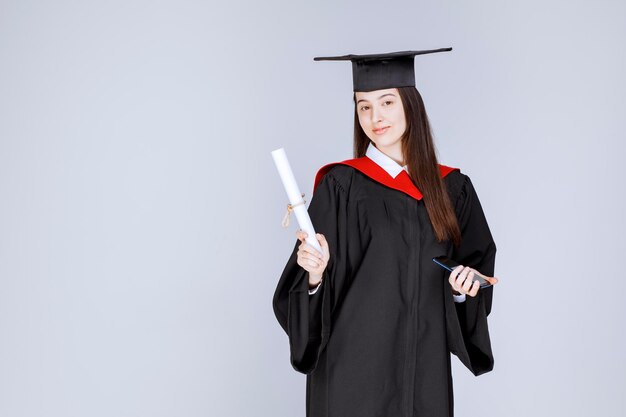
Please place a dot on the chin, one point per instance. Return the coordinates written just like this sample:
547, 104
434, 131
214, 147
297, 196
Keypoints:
386, 142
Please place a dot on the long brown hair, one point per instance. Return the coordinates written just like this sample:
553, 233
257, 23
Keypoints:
420, 157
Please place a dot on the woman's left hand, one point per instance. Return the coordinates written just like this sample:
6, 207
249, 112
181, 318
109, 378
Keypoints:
462, 281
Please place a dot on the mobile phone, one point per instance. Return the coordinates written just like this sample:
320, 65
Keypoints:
450, 264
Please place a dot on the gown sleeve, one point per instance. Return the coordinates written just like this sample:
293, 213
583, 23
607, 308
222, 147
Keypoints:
468, 332
306, 318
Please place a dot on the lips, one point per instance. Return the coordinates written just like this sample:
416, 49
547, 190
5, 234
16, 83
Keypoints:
381, 130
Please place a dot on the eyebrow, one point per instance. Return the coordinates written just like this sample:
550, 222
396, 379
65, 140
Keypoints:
388, 94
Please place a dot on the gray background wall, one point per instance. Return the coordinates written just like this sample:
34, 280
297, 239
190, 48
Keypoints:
140, 238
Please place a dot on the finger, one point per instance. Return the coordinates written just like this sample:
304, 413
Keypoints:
304, 254
492, 280
313, 263
454, 276
451, 281
460, 280
310, 249
475, 288
308, 261
467, 285
324, 245
313, 258
456, 271
465, 272
303, 262
462, 276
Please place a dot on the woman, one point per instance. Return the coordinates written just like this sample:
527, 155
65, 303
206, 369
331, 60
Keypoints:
372, 320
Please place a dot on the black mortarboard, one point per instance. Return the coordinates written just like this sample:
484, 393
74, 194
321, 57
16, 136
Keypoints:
379, 71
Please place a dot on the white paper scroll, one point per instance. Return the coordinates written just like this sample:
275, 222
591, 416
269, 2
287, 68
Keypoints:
295, 197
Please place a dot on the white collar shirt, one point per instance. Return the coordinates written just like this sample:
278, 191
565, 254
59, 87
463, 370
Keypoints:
385, 162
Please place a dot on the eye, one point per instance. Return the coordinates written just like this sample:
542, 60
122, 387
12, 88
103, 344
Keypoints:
388, 102
363, 108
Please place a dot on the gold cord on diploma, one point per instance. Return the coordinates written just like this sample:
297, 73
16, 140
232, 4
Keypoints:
290, 209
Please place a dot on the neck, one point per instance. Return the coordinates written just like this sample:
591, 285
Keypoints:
394, 152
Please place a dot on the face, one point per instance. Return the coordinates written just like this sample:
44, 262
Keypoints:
381, 116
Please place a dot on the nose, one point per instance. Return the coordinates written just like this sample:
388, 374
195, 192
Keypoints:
376, 116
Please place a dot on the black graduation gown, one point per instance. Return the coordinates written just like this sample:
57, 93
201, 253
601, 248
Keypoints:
375, 339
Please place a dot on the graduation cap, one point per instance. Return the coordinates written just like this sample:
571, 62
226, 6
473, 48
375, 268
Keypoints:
379, 71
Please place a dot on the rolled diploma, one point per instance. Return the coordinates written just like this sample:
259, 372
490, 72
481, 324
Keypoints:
295, 197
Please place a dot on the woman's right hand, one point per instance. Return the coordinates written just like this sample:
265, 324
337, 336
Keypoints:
311, 259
